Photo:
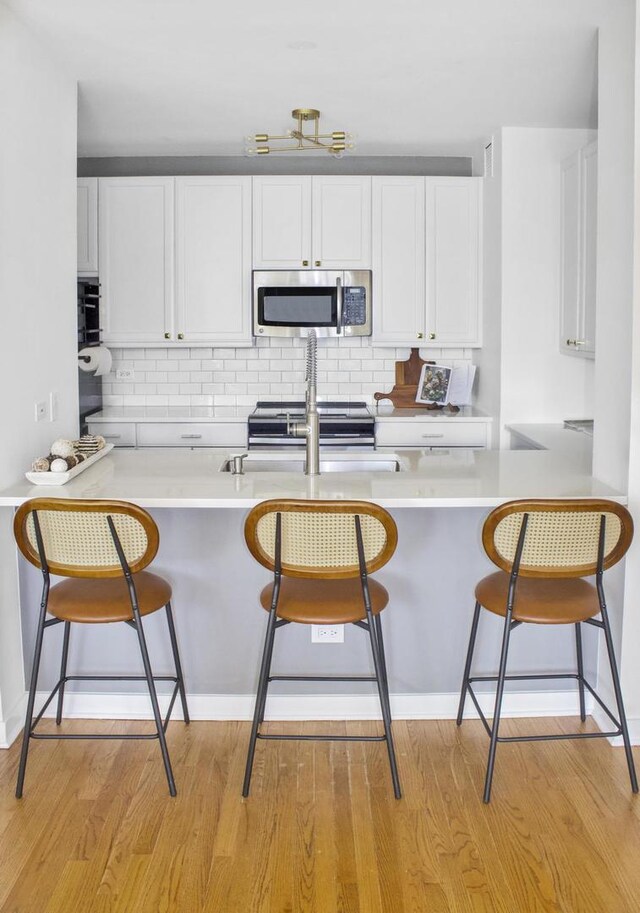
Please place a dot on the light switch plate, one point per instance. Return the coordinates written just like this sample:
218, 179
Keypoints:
41, 411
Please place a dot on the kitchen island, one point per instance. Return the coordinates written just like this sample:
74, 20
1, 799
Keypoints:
439, 500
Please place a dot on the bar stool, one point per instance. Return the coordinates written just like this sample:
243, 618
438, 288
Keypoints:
321, 554
103, 548
544, 549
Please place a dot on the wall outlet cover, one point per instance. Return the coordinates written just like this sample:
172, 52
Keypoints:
125, 374
327, 634
41, 411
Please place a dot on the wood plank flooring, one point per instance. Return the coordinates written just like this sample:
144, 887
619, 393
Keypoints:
97, 832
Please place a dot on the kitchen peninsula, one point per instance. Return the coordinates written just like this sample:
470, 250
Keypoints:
439, 500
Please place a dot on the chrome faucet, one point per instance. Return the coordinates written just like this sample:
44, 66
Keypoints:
310, 428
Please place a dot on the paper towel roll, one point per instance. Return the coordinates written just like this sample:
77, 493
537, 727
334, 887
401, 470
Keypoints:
95, 360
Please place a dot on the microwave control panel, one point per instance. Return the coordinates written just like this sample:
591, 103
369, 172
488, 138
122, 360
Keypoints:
354, 306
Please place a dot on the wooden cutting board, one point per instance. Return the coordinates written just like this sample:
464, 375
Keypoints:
403, 394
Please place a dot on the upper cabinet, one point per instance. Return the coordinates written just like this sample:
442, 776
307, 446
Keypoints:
427, 254
213, 259
136, 259
175, 260
578, 177
312, 222
87, 205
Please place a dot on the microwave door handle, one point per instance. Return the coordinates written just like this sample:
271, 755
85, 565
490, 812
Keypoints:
339, 304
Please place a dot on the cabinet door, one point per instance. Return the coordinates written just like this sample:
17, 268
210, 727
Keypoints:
454, 250
87, 203
570, 254
213, 260
281, 222
136, 259
398, 260
589, 234
341, 222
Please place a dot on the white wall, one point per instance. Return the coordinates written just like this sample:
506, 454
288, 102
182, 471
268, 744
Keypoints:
37, 291
538, 383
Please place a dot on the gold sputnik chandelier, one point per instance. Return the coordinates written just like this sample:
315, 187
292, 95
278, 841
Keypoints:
336, 143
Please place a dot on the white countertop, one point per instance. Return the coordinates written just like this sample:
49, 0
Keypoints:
171, 414
563, 441
388, 413
179, 478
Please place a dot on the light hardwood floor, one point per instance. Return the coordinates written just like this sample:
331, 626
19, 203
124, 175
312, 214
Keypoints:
97, 831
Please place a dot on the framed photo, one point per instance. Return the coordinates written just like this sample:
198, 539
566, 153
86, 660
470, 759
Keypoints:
433, 386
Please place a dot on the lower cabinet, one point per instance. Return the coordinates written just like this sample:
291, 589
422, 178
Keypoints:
432, 433
172, 434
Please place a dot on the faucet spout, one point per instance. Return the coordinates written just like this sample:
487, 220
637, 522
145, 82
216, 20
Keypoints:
310, 428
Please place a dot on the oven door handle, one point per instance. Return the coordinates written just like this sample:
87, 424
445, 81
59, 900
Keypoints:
339, 305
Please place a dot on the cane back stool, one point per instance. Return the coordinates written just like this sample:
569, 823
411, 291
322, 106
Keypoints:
102, 547
321, 554
544, 550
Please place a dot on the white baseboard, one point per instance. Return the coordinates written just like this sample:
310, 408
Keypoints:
315, 706
11, 726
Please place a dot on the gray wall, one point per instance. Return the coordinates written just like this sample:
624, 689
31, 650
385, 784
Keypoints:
120, 166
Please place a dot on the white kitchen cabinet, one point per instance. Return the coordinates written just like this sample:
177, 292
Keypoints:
427, 254
578, 175
311, 222
191, 434
213, 260
433, 432
87, 209
136, 259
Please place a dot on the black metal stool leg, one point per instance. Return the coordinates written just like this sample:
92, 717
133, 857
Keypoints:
376, 650
37, 653
263, 684
498, 708
383, 662
583, 714
177, 663
154, 703
469, 660
265, 690
618, 693
63, 670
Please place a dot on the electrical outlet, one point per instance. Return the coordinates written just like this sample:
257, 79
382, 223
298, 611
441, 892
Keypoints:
125, 374
327, 634
53, 406
41, 412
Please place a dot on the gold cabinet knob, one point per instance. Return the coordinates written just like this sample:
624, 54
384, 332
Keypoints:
305, 263
317, 263
420, 335
432, 335
167, 335
571, 342
180, 335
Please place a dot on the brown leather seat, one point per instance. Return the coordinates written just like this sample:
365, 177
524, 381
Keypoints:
540, 601
324, 602
96, 601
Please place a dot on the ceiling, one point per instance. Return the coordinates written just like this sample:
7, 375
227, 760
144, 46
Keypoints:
193, 77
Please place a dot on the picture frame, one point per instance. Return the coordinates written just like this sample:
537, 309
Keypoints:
433, 386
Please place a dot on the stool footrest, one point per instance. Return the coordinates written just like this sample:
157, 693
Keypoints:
322, 678
322, 738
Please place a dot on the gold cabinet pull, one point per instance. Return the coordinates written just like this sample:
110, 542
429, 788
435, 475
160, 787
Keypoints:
420, 335
317, 262
432, 335
167, 335
180, 335
305, 263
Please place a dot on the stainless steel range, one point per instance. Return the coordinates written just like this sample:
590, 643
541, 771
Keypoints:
344, 425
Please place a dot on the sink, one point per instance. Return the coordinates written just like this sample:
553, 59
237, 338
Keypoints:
329, 462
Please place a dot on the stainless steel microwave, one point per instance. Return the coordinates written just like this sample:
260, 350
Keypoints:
333, 303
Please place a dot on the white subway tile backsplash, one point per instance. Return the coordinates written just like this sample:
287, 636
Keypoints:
273, 369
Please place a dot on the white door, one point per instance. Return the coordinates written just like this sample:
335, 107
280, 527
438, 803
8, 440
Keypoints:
398, 260
136, 259
341, 222
570, 254
213, 260
454, 250
282, 222
589, 188
87, 205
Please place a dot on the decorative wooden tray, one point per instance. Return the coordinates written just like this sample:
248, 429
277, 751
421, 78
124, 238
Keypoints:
60, 478
403, 395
